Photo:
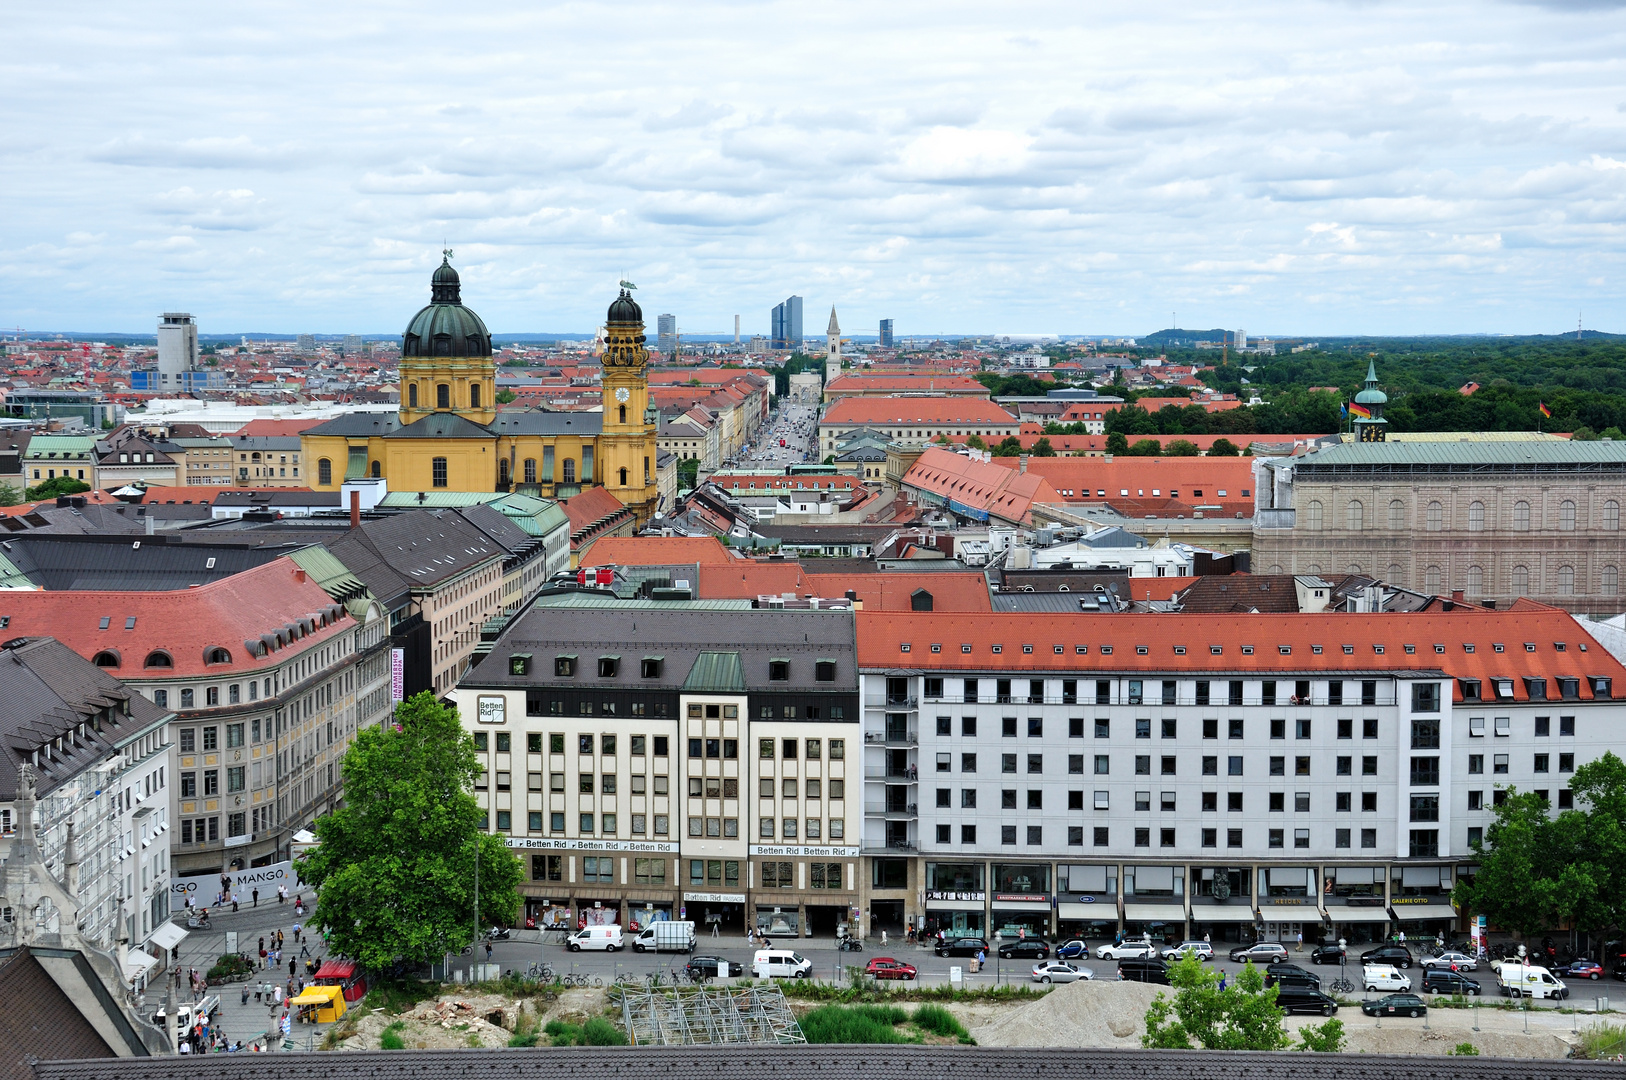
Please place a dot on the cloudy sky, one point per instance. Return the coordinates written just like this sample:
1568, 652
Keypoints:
1288, 168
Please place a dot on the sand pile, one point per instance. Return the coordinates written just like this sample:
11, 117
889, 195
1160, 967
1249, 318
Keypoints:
1098, 1013
463, 1020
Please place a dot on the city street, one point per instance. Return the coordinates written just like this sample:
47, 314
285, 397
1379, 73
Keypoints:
796, 425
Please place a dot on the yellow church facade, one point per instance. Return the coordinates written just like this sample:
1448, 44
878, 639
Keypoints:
450, 435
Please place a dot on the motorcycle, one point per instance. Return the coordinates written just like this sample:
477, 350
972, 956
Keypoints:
850, 944
498, 933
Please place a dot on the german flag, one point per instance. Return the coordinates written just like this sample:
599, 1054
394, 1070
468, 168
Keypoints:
1359, 411
1545, 411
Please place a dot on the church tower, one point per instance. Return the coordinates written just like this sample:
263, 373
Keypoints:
446, 362
832, 350
626, 446
1366, 412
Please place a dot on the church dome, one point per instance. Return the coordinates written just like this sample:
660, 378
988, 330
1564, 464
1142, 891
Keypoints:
445, 327
1371, 397
624, 309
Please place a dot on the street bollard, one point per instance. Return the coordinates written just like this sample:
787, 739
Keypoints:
1476, 1013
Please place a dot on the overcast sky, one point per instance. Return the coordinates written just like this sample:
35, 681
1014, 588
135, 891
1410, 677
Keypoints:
1287, 168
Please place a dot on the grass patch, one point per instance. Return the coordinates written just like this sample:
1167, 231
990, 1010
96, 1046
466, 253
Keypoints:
596, 1032
1465, 1050
400, 996
1602, 1040
390, 1038
807, 990
526, 1029
939, 1021
856, 1024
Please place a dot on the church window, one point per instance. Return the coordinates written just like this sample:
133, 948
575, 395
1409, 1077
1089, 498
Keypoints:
443, 396
1566, 580
324, 471
437, 468
1476, 581
1431, 579
474, 396
530, 470
623, 412
1356, 518
377, 470
569, 468
1611, 515
623, 477
412, 396
502, 471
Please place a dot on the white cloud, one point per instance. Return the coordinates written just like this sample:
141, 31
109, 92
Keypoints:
1290, 166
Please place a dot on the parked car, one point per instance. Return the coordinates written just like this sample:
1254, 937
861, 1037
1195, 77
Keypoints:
1446, 981
1202, 950
1054, 971
1291, 974
1384, 977
1305, 999
1264, 952
885, 967
1144, 969
1448, 959
1026, 949
1077, 948
1126, 950
713, 967
1327, 954
1583, 969
1398, 955
1395, 1005
965, 946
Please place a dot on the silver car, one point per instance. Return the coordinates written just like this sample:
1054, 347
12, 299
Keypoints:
1201, 949
1054, 971
1130, 950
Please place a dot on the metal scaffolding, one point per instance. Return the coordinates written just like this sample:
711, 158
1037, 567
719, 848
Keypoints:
688, 1016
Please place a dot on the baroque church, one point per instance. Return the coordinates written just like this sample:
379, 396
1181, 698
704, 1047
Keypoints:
450, 436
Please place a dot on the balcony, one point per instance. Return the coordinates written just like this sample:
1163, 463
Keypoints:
901, 739
888, 774
892, 811
890, 701
891, 847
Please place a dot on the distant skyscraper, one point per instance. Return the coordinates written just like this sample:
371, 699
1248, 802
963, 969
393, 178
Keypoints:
666, 328
832, 350
352, 345
736, 329
886, 333
787, 324
177, 348
1241, 341
306, 343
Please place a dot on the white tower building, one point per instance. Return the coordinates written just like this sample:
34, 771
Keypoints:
832, 354
177, 347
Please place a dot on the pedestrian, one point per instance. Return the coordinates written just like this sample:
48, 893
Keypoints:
279, 939
291, 963
234, 901
276, 998
186, 1046
245, 993
257, 989
1206, 941
883, 939
1222, 981
488, 951
296, 933
1402, 937
1299, 947
256, 896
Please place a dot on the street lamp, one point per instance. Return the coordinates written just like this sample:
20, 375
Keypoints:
1343, 961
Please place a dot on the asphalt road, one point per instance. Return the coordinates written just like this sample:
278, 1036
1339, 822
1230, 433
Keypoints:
793, 423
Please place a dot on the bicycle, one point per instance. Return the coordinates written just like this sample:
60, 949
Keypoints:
1342, 986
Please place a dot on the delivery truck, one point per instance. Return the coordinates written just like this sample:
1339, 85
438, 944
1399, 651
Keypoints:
665, 935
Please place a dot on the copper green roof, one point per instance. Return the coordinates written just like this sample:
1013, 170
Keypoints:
716, 673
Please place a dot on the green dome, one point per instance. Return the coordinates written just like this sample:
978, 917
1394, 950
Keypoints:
445, 327
1371, 397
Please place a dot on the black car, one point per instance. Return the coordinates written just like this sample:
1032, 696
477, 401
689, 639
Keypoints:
713, 967
1144, 969
1398, 955
1026, 949
1327, 954
1444, 981
1395, 1005
1304, 999
966, 946
1286, 974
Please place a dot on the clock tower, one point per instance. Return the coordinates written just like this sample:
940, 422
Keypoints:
626, 445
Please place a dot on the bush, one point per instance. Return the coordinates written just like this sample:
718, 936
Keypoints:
600, 1032
230, 966
1465, 1050
939, 1021
1324, 1038
1602, 1040
866, 989
391, 1039
855, 1024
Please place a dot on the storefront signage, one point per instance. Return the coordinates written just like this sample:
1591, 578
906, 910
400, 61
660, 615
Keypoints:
1022, 898
945, 894
493, 709
805, 849
397, 674
714, 898
1284, 901
203, 888
529, 843
1399, 900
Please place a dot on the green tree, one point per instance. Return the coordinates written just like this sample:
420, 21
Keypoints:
1243, 1016
976, 443
1010, 446
1222, 448
1146, 448
1323, 1038
505, 396
9, 495
688, 472
50, 489
1117, 443
1510, 887
1181, 448
395, 868
1042, 448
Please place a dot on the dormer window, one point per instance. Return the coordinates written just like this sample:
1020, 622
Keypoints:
1601, 686
519, 664
608, 666
1535, 688
564, 667
1470, 689
1504, 689
779, 670
650, 668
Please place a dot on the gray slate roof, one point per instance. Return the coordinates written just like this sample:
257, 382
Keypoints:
443, 425
541, 422
358, 425
58, 562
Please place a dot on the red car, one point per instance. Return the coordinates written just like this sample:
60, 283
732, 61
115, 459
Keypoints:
884, 967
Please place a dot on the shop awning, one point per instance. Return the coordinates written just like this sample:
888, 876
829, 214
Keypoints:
1221, 913
1091, 912
137, 964
1021, 905
168, 935
1357, 914
953, 905
1289, 913
1156, 912
1410, 912
336, 969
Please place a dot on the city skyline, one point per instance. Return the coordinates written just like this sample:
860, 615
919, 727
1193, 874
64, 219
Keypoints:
1306, 169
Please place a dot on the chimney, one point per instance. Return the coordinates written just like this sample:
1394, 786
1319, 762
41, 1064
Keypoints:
355, 509
299, 574
1022, 463
1456, 594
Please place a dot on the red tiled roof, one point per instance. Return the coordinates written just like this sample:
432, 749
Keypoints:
1001, 493
745, 579
184, 623
1253, 643
591, 506
915, 410
894, 590
1149, 479
744, 485
658, 551
1153, 404
277, 428
943, 384
708, 376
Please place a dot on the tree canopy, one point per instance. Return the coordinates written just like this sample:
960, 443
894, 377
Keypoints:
50, 489
1537, 871
395, 868
1243, 1016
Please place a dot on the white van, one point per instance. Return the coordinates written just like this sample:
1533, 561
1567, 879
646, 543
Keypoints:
1516, 980
665, 935
603, 938
1384, 977
780, 964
